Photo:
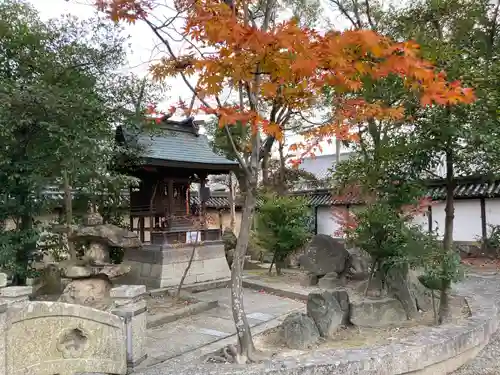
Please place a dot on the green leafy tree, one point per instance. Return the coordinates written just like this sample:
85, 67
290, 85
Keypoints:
461, 38
59, 98
282, 226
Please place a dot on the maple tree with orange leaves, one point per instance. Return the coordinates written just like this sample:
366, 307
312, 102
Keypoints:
278, 70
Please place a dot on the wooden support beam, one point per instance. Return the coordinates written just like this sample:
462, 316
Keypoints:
141, 228
484, 231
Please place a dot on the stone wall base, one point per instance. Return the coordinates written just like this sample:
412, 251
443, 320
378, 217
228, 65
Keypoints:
160, 266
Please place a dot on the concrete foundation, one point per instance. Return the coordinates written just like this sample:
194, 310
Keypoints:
160, 266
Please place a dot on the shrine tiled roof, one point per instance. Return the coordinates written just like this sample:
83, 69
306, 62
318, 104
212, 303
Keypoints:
174, 142
182, 147
468, 190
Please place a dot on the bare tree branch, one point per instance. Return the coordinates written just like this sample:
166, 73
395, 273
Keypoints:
369, 16
172, 54
344, 12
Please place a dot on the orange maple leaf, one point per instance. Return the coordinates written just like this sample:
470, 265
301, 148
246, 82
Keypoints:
287, 67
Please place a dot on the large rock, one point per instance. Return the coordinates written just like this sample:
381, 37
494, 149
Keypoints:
326, 312
404, 285
331, 281
360, 264
381, 312
308, 279
398, 287
372, 288
342, 298
324, 255
88, 292
109, 234
423, 295
299, 331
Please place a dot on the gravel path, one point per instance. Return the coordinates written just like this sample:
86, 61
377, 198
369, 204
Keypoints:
486, 363
488, 360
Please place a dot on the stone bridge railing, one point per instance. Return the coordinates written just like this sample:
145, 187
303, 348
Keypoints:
47, 338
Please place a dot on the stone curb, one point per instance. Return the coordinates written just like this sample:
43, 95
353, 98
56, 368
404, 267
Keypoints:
431, 351
283, 291
208, 285
183, 312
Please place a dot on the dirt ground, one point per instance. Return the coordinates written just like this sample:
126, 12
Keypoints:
291, 276
481, 264
161, 304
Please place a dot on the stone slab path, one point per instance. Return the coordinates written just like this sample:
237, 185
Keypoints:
214, 327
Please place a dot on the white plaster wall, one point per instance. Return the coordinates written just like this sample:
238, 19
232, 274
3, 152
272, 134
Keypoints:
327, 224
422, 220
492, 211
467, 223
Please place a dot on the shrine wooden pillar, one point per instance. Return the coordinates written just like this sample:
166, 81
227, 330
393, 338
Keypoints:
170, 196
142, 229
221, 219
203, 203
188, 200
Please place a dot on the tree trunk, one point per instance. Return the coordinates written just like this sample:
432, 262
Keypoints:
242, 182
188, 267
282, 172
273, 261
25, 252
232, 207
280, 264
245, 341
68, 209
265, 170
338, 144
444, 308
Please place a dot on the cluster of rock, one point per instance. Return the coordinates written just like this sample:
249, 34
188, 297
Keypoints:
326, 313
330, 265
376, 301
329, 310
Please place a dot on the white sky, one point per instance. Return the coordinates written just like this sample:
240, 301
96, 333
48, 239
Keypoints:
142, 46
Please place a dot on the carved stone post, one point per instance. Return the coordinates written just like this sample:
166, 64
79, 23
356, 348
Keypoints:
126, 294
3, 338
135, 318
3, 326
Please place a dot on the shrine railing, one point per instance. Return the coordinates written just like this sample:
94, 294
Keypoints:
159, 227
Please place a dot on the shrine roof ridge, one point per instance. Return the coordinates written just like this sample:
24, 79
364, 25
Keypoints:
174, 142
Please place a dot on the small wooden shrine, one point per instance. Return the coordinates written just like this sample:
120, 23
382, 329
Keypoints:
171, 159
